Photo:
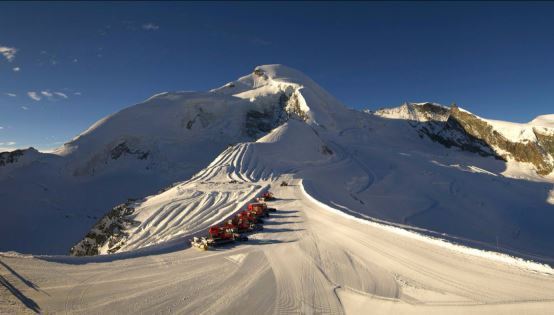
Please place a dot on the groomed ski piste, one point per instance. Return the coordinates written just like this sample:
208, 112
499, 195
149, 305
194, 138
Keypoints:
327, 249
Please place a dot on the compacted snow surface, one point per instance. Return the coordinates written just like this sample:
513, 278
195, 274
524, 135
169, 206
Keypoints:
375, 220
307, 260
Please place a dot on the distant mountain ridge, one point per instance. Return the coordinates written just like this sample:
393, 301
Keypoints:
529, 143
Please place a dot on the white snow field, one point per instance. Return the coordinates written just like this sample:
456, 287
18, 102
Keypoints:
376, 219
307, 260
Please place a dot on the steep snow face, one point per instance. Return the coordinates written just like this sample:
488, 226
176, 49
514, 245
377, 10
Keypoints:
165, 133
308, 100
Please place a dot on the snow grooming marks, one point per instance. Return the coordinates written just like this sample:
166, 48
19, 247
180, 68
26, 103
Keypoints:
180, 213
498, 257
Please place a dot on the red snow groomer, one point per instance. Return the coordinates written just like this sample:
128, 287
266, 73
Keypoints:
219, 235
259, 209
247, 221
262, 207
232, 230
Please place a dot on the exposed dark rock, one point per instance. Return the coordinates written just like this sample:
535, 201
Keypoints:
123, 149
261, 122
535, 153
205, 119
451, 134
470, 133
259, 72
109, 230
10, 157
292, 107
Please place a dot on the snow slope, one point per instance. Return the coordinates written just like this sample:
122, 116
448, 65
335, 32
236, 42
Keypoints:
307, 260
543, 121
50, 200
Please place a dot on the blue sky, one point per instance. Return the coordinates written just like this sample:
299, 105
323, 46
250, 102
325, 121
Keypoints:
74, 63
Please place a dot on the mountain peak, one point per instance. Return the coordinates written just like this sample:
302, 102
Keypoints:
543, 121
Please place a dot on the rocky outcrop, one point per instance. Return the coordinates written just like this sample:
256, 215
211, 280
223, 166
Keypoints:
418, 112
123, 149
108, 234
539, 153
452, 134
202, 116
10, 157
455, 127
287, 107
293, 108
19, 157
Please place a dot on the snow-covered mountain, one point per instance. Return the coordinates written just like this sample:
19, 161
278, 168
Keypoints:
438, 170
531, 143
50, 200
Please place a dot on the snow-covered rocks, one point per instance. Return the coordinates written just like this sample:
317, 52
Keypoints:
527, 143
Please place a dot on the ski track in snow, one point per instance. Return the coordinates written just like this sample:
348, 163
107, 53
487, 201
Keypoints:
308, 260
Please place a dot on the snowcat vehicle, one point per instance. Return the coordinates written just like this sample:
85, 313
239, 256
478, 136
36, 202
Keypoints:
259, 209
268, 196
261, 205
200, 243
251, 217
218, 236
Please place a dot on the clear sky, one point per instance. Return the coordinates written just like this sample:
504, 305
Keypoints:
74, 63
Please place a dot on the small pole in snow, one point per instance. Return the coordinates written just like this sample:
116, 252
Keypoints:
497, 242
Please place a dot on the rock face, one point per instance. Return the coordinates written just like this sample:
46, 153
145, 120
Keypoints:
108, 232
455, 127
539, 153
418, 112
123, 149
10, 157
15, 156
